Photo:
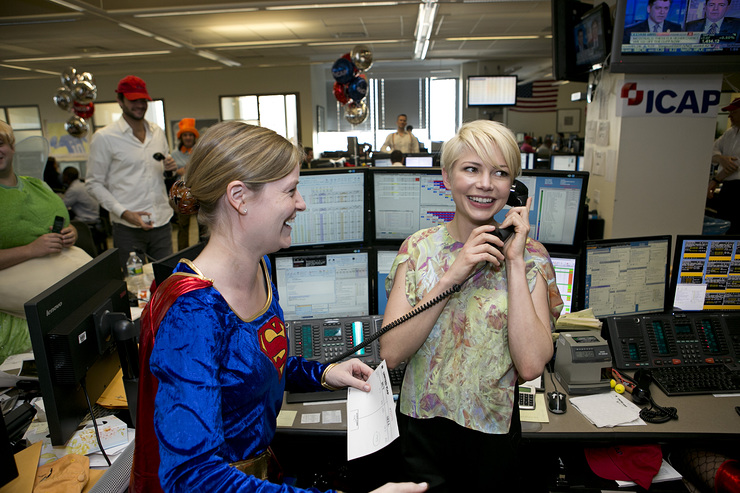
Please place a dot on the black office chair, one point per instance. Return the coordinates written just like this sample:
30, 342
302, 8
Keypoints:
85, 238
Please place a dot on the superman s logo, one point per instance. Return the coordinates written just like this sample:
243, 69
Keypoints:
274, 344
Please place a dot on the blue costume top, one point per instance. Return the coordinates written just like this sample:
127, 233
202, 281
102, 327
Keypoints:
221, 383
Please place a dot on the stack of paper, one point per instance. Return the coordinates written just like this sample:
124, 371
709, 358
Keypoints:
581, 320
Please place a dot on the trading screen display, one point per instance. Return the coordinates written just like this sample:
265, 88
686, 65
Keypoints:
706, 273
565, 278
627, 276
323, 285
335, 209
385, 260
407, 202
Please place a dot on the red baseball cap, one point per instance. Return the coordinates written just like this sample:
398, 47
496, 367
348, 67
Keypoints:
637, 463
732, 106
133, 88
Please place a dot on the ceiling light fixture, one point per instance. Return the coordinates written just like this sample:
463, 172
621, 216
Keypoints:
137, 30
68, 5
493, 38
16, 67
332, 5
198, 12
126, 54
334, 43
167, 41
424, 23
217, 58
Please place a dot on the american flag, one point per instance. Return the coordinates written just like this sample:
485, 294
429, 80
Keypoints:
536, 97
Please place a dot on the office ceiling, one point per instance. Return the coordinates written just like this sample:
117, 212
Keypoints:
41, 38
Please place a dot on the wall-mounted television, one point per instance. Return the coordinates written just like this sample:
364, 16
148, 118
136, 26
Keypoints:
581, 38
691, 49
492, 90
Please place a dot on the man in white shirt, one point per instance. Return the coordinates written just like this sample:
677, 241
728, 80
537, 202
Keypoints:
401, 140
726, 153
126, 179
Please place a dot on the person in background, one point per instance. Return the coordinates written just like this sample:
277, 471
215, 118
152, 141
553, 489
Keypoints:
187, 135
83, 206
128, 181
29, 208
397, 158
656, 22
726, 154
466, 353
527, 144
213, 344
544, 151
715, 22
307, 158
400, 140
52, 175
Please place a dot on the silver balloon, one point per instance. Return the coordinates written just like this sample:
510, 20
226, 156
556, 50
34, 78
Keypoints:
69, 76
86, 76
63, 98
355, 112
84, 91
76, 127
362, 57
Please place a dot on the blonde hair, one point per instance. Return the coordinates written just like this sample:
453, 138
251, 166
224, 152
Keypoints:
483, 137
236, 151
6, 133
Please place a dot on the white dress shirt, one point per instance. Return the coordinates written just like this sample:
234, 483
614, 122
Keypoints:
728, 144
405, 143
79, 201
122, 173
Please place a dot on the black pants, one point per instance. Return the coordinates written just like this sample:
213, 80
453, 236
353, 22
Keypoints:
456, 459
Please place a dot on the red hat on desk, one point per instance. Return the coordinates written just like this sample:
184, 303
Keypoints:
637, 463
732, 106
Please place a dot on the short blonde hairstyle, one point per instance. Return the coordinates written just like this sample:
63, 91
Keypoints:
482, 137
6, 133
236, 151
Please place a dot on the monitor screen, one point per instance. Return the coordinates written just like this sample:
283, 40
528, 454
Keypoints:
335, 207
706, 273
70, 343
333, 283
581, 38
382, 161
419, 161
567, 273
528, 159
627, 276
494, 90
384, 261
561, 162
684, 46
558, 216
406, 200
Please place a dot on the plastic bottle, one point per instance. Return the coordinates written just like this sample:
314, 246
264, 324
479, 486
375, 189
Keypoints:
134, 273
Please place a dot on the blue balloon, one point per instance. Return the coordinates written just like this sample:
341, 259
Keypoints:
343, 70
357, 89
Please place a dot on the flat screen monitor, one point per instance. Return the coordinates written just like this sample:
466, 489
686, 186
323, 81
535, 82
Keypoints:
419, 160
582, 36
558, 215
706, 273
406, 200
687, 48
567, 275
528, 160
69, 343
492, 90
384, 258
382, 161
627, 276
335, 208
332, 283
560, 162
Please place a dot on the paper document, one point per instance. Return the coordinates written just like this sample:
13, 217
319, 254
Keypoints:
371, 416
608, 409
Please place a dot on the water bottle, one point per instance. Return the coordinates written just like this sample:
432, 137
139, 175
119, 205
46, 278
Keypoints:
134, 273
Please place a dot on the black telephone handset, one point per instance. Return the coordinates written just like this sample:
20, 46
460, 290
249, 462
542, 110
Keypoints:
517, 198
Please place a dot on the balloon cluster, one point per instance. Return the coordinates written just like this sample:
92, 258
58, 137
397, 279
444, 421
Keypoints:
350, 86
76, 95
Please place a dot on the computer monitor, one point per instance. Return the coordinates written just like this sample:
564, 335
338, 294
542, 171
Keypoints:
382, 161
419, 161
528, 159
332, 283
384, 258
72, 344
335, 208
558, 217
561, 162
406, 200
164, 267
567, 276
706, 273
627, 276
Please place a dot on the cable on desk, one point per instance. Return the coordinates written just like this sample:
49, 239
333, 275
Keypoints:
95, 421
658, 414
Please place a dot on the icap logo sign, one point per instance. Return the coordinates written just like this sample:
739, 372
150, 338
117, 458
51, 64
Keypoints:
661, 98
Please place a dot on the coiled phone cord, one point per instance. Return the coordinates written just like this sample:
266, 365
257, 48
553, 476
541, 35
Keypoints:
417, 310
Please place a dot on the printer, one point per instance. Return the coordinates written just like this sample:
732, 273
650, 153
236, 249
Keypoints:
583, 362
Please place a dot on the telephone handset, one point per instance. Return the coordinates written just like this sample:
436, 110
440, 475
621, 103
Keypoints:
517, 198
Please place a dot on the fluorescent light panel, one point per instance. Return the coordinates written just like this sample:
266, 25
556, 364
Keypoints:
136, 30
331, 5
198, 12
68, 5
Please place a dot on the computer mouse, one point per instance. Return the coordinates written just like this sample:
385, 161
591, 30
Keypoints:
556, 402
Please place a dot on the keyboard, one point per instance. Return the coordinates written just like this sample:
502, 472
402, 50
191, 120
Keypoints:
692, 380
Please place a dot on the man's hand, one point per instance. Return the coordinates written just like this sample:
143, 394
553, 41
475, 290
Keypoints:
169, 164
141, 219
